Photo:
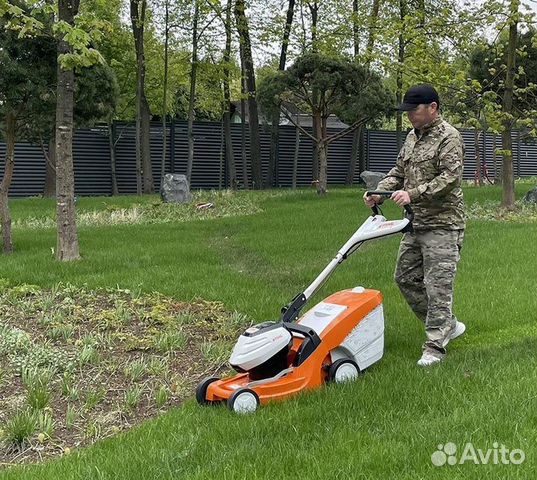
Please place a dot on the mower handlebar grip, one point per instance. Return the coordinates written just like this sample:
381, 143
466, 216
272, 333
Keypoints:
384, 193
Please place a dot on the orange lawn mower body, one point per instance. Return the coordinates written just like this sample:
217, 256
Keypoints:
332, 342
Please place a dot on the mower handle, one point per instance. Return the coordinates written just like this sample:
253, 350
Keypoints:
384, 193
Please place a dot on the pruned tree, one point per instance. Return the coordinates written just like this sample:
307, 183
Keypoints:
325, 86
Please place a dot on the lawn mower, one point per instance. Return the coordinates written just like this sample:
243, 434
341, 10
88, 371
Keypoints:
332, 342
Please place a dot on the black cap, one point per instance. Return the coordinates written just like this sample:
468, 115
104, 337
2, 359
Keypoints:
417, 95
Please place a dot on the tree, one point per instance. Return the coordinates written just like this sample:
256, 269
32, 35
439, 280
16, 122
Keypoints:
226, 117
67, 245
27, 64
325, 86
95, 98
253, 115
144, 171
275, 140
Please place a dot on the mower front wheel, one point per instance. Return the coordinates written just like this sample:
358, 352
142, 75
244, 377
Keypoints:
201, 390
243, 400
343, 370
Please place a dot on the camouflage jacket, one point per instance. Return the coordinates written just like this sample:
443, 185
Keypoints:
429, 167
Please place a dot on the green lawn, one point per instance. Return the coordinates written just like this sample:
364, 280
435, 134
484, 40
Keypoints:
388, 423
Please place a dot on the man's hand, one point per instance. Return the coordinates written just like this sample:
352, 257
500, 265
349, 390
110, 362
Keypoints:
372, 200
401, 197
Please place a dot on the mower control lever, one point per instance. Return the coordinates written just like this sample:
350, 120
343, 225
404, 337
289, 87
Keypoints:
383, 193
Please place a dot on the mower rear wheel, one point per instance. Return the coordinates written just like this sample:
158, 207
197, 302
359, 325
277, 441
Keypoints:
243, 400
343, 370
201, 390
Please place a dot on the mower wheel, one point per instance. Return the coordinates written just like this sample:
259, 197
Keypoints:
343, 370
243, 400
201, 390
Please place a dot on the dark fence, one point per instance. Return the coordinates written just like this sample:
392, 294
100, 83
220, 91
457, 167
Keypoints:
210, 169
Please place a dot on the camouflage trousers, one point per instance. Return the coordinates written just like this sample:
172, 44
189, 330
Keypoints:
425, 274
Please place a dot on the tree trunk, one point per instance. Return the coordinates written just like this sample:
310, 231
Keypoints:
508, 181
49, 190
253, 116
192, 99
373, 18
357, 137
314, 10
478, 181
67, 245
355, 151
322, 153
165, 92
297, 150
244, 107
399, 81
7, 238
144, 172
227, 103
112, 148
275, 129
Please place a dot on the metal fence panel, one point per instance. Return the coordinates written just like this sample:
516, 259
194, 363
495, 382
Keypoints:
92, 166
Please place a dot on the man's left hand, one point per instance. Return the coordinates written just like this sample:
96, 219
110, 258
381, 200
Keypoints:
401, 197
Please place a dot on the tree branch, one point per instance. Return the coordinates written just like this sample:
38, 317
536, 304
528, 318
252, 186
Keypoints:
305, 132
349, 129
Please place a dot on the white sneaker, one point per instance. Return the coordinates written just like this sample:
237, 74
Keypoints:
427, 360
459, 329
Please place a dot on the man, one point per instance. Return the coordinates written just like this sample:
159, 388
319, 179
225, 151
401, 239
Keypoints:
427, 175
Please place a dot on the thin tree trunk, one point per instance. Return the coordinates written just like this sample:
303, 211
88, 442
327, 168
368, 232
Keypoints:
478, 169
112, 147
297, 150
7, 238
144, 172
373, 19
253, 115
244, 107
192, 99
67, 245
227, 102
314, 10
508, 199
275, 129
165, 92
357, 135
49, 190
399, 80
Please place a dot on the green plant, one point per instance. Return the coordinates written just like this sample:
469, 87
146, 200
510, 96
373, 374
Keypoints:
20, 428
169, 340
132, 397
61, 332
94, 431
216, 352
45, 424
71, 416
158, 367
136, 369
37, 382
162, 395
94, 397
88, 355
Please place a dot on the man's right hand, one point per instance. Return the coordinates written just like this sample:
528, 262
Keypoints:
372, 200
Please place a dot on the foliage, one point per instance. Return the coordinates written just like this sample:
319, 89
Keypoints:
344, 88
